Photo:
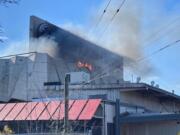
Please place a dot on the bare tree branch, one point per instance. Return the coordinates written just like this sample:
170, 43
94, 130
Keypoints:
6, 2
1, 33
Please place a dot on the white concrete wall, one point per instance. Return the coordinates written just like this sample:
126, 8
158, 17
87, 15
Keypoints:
37, 75
4, 79
23, 77
27, 76
18, 78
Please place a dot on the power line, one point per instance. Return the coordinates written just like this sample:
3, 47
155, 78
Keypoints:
104, 11
117, 11
113, 17
111, 20
161, 29
138, 60
159, 50
102, 15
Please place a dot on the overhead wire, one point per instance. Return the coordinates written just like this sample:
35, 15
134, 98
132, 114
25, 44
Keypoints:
111, 20
102, 15
164, 27
153, 34
117, 11
113, 17
94, 28
138, 61
161, 29
159, 50
159, 40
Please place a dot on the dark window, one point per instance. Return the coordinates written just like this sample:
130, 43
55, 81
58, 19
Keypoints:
110, 129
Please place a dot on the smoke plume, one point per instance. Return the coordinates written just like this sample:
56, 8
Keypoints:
15, 48
42, 45
121, 34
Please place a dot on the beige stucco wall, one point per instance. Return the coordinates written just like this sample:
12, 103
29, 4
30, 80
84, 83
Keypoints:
149, 102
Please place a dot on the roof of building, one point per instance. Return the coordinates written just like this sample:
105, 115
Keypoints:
51, 110
155, 91
128, 87
149, 117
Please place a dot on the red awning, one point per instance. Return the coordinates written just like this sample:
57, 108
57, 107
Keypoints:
52, 110
76, 109
2, 106
15, 111
49, 111
59, 114
26, 111
35, 113
89, 110
6, 110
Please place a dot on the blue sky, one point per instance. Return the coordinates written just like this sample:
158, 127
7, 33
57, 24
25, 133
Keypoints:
163, 15
15, 18
156, 15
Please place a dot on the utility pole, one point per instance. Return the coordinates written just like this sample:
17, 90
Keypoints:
117, 124
66, 103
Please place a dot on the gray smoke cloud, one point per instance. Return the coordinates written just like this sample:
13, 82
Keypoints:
15, 48
123, 35
43, 45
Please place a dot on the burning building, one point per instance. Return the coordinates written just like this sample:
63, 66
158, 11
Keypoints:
70, 54
78, 53
106, 105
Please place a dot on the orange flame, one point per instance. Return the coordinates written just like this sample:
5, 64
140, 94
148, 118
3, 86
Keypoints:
85, 65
